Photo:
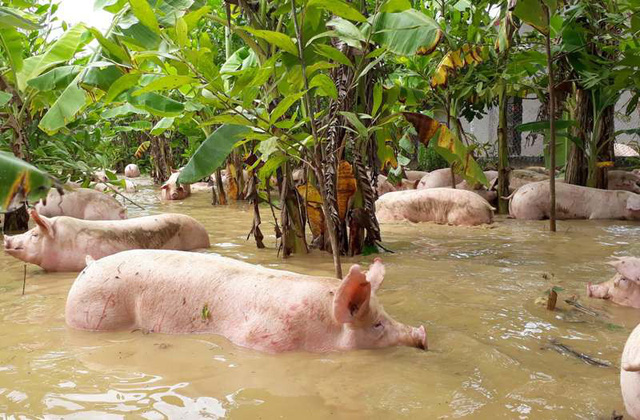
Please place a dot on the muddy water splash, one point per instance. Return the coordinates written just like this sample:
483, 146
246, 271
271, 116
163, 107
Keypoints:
473, 288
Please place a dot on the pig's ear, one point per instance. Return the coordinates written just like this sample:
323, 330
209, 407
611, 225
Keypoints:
352, 297
631, 356
627, 267
43, 223
375, 275
633, 202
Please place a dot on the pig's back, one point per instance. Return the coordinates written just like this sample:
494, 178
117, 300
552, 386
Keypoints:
180, 292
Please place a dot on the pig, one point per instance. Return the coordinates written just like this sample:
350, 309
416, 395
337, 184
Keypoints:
201, 187
81, 203
481, 190
624, 180
99, 176
532, 202
62, 243
384, 186
415, 175
630, 374
439, 205
618, 290
132, 171
129, 186
519, 178
171, 190
269, 310
628, 267
437, 179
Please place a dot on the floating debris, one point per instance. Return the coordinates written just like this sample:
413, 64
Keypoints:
567, 351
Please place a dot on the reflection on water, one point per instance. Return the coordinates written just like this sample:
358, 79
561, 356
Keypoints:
473, 288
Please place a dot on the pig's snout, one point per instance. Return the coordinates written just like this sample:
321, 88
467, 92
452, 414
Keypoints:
419, 336
175, 196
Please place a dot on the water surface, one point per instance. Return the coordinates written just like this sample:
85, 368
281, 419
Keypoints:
474, 289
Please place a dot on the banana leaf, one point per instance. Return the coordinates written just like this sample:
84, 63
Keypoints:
20, 182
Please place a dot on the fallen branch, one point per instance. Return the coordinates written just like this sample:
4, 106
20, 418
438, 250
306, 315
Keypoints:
122, 195
567, 351
581, 308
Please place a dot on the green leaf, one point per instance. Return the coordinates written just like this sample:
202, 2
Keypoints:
284, 106
270, 167
165, 83
60, 51
346, 31
332, 53
357, 124
278, 39
212, 153
395, 6
533, 13
125, 82
5, 97
20, 181
64, 110
11, 41
55, 79
268, 147
228, 119
145, 14
407, 33
111, 47
544, 125
325, 86
377, 98
12, 18
192, 18
162, 126
122, 110
338, 8
182, 33
157, 104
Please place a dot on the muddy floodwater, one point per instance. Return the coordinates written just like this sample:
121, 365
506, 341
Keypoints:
474, 289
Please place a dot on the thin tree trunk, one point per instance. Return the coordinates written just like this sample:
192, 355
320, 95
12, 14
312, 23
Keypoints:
222, 196
161, 158
605, 147
577, 166
503, 152
552, 136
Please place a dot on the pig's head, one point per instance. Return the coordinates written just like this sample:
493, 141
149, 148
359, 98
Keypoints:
31, 245
618, 289
366, 324
171, 190
633, 207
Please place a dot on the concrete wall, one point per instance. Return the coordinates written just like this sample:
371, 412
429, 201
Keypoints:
485, 130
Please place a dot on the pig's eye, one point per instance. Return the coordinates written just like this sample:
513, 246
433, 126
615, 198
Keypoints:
378, 326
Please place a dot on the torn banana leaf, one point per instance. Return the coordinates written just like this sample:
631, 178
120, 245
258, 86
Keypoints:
453, 61
20, 182
448, 145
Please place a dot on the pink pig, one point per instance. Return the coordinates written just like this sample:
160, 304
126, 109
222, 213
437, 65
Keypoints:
62, 243
171, 190
630, 374
624, 287
270, 310
82, 203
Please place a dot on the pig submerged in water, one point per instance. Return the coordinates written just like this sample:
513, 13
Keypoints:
573, 202
624, 180
630, 374
132, 171
439, 205
171, 190
62, 243
270, 310
624, 287
82, 203
438, 179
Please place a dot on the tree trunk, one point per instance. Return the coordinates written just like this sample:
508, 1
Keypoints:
577, 166
552, 135
514, 119
160, 158
605, 147
16, 221
293, 232
503, 152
